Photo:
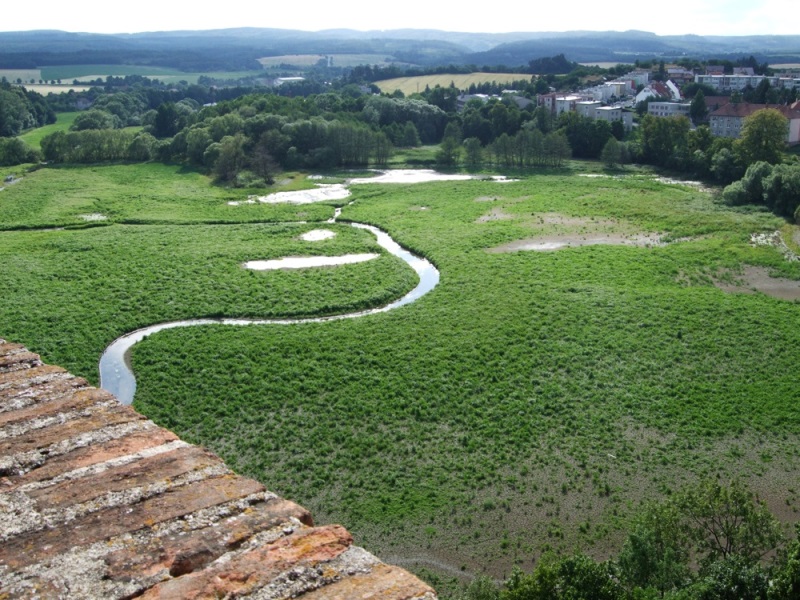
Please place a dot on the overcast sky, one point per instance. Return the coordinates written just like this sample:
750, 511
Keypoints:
703, 17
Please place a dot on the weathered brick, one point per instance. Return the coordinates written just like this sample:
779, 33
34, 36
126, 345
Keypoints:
14, 357
116, 479
189, 551
32, 547
383, 582
251, 570
143, 439
72, 400
42, 438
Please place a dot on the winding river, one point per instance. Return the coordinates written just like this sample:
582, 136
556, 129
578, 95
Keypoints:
116, 374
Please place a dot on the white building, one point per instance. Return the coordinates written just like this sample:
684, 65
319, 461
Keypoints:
566, 103
586, 108
736, 83
668, 109
614, 113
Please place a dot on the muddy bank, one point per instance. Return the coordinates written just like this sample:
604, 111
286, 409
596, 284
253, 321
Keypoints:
757, 279
565, 240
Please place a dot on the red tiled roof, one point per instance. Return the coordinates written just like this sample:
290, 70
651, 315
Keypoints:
745, 109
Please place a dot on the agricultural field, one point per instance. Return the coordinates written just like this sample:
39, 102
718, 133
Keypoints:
86, 73
26, 75
413, 85
529, 403
309, 60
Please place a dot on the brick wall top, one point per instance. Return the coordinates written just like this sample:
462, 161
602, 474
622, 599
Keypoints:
98, 502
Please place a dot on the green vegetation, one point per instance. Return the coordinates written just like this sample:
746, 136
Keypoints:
63, 122
527, 405
140, 193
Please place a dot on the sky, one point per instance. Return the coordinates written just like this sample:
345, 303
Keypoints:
702, 17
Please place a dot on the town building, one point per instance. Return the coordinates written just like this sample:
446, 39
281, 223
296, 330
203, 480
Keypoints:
737, 83
728, 120
669, 109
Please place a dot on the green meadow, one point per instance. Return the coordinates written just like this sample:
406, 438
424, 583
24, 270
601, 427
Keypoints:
528, 403
33, 137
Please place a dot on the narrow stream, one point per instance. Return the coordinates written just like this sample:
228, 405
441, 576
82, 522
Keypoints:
116, 374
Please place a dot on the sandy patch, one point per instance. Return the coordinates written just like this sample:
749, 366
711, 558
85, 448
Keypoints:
757, 279
305, 262
93, 217
571, 240
487, 199
317, 235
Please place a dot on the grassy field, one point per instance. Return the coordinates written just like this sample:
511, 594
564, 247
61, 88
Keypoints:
412, 85
529, 403
70, 72
86, 73
63, 122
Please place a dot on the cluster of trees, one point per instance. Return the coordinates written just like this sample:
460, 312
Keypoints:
777, 186
21, 110
13, 151
707, 543
99, 145
750, 166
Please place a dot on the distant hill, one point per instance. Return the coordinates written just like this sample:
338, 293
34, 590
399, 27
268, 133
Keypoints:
237, 49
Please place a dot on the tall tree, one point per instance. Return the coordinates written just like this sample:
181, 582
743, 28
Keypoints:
698, 109
763, 137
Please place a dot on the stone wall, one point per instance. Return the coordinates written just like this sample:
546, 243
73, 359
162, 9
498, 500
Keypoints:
98, 502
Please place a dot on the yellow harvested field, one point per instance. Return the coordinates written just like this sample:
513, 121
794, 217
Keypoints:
46, 88
412, 85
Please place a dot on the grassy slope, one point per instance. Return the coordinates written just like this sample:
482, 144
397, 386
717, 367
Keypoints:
529, 402
63, 122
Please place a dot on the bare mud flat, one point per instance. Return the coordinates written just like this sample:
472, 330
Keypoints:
305, 262
558, 231
562, 240
496, 214
317, 235
757, 279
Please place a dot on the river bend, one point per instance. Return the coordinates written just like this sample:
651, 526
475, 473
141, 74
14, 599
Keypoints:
116, 374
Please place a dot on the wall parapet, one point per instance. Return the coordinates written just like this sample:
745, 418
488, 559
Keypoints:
96, 501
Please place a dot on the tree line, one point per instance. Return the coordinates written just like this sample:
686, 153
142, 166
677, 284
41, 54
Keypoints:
710, 542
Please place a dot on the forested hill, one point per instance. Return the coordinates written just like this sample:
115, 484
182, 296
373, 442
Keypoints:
234, 49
